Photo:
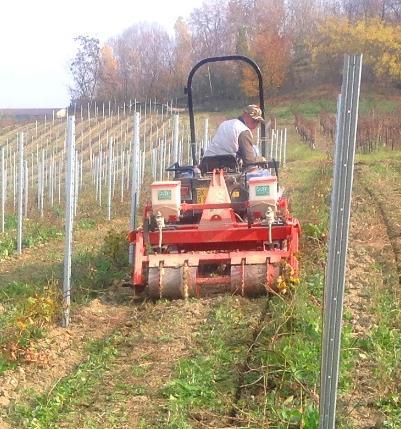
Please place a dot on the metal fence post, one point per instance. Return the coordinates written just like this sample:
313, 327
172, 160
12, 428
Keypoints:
285, 148
21, 180
175, 134
69, 218
206, 134
3, 188
109, 174
134, 181
347, 118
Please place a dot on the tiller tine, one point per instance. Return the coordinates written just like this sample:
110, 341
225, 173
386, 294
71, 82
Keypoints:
185, 281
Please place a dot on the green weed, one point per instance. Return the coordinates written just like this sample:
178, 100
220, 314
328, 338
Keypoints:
34, 234
208, 379
93, 273
28, 310
384, 346
10, 222
86, 223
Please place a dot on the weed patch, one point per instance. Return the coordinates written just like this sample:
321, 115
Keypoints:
205, 383
93, 273
35, 234
384, 347
29, 309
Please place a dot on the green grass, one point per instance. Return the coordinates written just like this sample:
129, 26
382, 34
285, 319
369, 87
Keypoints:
380, 159
370, 103
309, 108
310, 105
384, 348
94, 272
301, 152
207, 380
86, 223
34, 234
10, 222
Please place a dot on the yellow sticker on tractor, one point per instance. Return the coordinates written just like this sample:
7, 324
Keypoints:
201, 194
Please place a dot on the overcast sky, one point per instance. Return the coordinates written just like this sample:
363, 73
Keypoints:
37, 41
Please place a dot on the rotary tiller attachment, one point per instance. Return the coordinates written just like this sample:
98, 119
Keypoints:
187, 281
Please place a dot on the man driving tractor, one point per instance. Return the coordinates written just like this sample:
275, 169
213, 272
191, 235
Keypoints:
234, 137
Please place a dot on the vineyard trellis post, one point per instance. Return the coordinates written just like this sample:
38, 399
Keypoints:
134, 180
110, 172
69, 218
3, 189
26, 188
176, 131
206, 134
21, 180
272, 143
285, 148
347, 118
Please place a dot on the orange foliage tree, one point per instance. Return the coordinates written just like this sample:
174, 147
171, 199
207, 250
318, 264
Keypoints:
269, 45
109, 79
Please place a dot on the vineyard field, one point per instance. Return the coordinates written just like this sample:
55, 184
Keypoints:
217, 362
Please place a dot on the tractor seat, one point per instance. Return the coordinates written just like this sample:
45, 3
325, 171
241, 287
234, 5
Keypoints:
226, 162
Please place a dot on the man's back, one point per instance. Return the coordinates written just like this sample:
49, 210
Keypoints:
225, 141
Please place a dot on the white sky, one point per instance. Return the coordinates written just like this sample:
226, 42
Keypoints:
37, 41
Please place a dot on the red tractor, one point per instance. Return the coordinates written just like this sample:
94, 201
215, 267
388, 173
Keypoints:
215, 231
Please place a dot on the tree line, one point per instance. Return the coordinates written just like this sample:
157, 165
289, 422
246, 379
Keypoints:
297, 43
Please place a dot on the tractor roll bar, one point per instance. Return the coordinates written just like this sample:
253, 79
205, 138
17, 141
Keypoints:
188, 90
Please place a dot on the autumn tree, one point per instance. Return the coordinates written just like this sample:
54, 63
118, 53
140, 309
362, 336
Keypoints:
144, 57
302, 18
295, 42
85, 68
109, 83
209, 29
182, 56
269, 45
380, 43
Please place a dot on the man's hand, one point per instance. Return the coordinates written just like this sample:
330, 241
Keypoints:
260, 159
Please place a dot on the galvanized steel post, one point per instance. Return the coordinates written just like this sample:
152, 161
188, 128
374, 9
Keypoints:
347, 119
69, 218
206, 134
3, 188
21, 181
176, 132
110, 172
134, 181
285, 147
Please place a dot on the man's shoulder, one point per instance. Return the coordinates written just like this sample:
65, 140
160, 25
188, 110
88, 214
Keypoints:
234, 123
231, 121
